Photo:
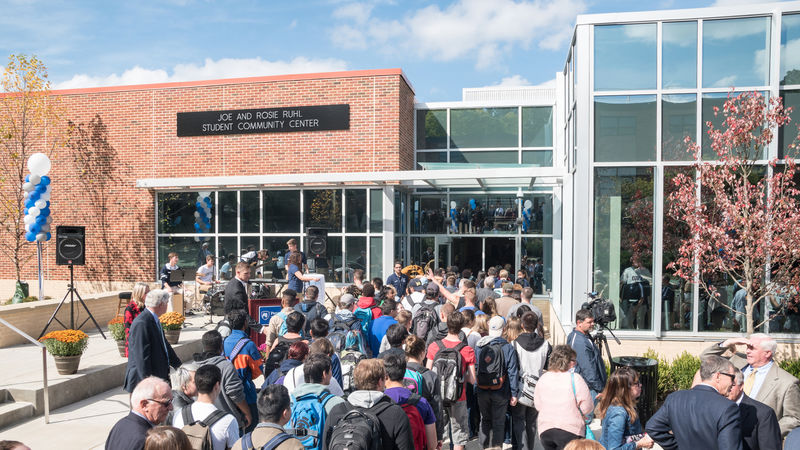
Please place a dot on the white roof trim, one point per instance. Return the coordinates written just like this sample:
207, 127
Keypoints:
688, 14
478, 178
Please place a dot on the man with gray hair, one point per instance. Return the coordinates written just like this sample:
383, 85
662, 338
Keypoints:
760, 428
149, 353
485, 291
764, 381
701, 417
151, 401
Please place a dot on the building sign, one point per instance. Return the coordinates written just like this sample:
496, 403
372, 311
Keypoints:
265, 120
265, 313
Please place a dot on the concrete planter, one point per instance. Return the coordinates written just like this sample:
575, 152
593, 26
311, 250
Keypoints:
67, 365
172, 336
121, 348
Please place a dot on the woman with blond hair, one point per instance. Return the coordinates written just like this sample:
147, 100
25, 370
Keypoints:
489, 307
616, 406
563, 401
513, 329
134, 308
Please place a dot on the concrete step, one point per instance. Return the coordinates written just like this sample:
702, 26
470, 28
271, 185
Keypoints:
14, 412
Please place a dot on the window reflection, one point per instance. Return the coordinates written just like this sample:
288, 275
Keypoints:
710, 101
323, 209
484, 128
679, 55
625, 128
677, 295
431, 129
623, 242
250, 212
375, 210
537, 127
787, 134
790, 49
736, 52
188, 249
376, 258
226, 209
356, 207
537, 260
429, 214
281, 212
176, 212
355, 256
625, 57
537, 214
679, 119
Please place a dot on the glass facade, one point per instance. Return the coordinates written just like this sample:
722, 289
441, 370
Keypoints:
625, 128
678, 120
736, 52
679, 55
625, 57
484, 137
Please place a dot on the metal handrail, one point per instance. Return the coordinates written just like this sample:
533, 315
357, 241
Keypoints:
44, 366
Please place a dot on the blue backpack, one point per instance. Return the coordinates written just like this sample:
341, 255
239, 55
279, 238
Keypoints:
412, 380
365, 316
308, 419
311, 311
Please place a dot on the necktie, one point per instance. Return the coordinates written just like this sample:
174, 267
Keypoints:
749, 381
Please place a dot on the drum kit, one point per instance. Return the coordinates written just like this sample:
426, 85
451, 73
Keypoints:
214, 300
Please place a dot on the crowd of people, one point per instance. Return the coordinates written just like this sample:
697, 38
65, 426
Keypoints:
424, 360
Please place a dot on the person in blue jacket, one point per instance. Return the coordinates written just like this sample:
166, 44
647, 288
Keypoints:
590, 364
616, 406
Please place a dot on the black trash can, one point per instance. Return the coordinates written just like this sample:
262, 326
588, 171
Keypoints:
648, 375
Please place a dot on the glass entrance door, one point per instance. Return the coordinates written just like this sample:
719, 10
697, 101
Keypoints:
500, 251
467, 253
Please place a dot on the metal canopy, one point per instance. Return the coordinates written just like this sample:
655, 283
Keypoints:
481, 179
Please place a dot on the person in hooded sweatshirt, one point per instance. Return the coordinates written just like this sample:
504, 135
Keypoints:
231, 398
295, 357
533, 353
367, 300
370, 380
317, 377
494, 396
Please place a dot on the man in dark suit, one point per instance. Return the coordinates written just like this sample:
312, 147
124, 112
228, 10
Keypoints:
149, 353
701, 417
151, 401
760, 429
236, 294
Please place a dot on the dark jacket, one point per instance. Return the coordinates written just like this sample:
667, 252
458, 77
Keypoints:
698, 418
395, 428
235, 296
432, 392
275, 375
231, 388
760, 429
510, 360
149, 353
129, 433
590, 365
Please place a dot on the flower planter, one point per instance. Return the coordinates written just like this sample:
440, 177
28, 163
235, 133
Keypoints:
172, 336
67, 365
121, 348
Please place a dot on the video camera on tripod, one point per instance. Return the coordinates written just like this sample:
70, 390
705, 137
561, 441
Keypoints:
604, 313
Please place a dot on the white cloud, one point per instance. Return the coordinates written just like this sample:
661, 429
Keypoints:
485, 31
551, 83
210, 70
514, 80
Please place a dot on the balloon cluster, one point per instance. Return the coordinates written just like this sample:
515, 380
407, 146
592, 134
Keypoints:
526, 216
37, 199
472, 204
202, 216
453, 217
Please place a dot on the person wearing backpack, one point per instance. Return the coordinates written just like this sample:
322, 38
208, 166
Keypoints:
367, 301
381, 324
454, 362
273, 330
310, 308
368, 419
525, 295
294, 325
420, 414
313, 401
498, 384
428, 383
246, 358
395, 337
319, 329
415, 295
295, 377
274, 411
208, 428
533, 353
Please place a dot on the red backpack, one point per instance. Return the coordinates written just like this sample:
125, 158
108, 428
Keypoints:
415, 419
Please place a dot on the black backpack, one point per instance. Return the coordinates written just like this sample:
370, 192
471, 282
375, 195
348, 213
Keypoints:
359, 429
278, 354
448, 366
491, 366
311, 310
424, 322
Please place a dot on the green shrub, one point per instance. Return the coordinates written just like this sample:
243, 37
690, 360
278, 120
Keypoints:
791, 365
675, 375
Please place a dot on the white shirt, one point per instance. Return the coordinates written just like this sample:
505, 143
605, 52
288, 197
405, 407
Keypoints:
295, 378
224, 433
761, 375
206, 273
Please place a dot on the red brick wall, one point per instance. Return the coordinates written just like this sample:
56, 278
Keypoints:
141, 132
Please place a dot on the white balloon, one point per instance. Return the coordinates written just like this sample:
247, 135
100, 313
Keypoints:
196, 214
25, 194
45, 197
45, 228
49, 189
39, 164
452, 204
29, 219
28, 186
33, 211
49, 219
204, 194
197, 238
528, 204
27, 227
41, 237
41, 204
34, 179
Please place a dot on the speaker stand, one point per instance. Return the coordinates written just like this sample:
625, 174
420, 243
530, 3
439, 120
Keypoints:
72, 292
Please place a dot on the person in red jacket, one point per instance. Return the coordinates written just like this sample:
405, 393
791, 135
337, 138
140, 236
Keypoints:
367, 301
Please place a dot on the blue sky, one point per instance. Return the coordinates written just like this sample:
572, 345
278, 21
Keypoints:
442, 46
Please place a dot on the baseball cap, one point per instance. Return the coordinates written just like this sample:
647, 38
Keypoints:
416, 285
496, 325
346, 300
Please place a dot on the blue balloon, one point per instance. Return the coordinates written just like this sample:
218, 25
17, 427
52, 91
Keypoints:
208, 201
47, 205
29, 202
198, 205
207, 221
35, 229
41, 220
41, 188
27, 178
202, 212
45, 180
48, 236
197, 227
472, 204
30, 236
44, 212
34, 196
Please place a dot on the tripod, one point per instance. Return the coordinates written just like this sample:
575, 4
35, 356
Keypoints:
600, 340
72, 292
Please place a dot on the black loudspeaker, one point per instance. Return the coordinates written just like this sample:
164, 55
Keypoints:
70, 249
317, 242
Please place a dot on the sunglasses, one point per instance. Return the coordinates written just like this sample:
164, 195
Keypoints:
162, 403
730, 375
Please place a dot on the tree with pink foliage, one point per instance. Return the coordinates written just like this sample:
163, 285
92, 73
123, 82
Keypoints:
743, 217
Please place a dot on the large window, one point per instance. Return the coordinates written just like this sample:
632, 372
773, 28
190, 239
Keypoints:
677, 295
281, 212
623, 242
537, 127
431, 129
787, 134
790, 49
679, 55
625, 128
678, 120
484, 127
736, 52
625, 57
